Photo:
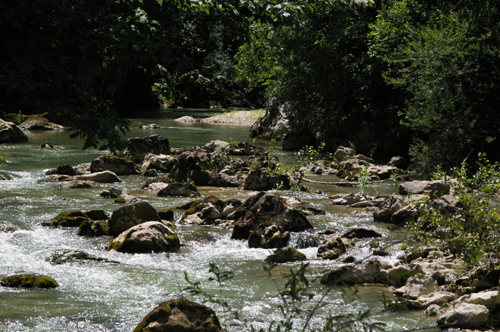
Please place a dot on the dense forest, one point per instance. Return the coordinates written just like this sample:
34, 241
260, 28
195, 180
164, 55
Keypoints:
417, 77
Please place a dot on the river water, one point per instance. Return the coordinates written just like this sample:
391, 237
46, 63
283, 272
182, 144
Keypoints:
115, 297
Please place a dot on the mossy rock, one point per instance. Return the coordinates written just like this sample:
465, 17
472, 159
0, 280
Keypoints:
120, 200
29, 281
2, 161
180, 315
67, 219
285, 255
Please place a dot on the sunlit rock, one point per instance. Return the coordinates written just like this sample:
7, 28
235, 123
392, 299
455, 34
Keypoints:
180, 315
29, 281
151, 236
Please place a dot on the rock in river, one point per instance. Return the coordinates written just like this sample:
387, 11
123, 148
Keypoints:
131, 215
180, 315
151, 236
29, 281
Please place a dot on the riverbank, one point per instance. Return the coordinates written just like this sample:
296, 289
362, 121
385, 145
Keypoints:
236, 118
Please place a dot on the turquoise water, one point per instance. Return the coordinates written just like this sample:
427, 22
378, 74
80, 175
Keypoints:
115, 297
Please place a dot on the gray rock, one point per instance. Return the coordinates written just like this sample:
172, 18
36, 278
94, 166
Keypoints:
78, 184
103, 177
162, 162
490, 299
344, 153
274, 124
151, 236
10, 133
438, 298
464, 315
186, 118
39, 123
333, 246
417, 286
389, 206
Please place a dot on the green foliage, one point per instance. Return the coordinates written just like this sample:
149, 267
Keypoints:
363, 179
313, 154
220, 158
475, 228
319, 63
443, 59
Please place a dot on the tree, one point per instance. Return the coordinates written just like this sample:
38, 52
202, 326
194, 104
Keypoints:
444, 58
319, 62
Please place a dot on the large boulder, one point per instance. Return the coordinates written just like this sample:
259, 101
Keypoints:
417, 286
39, 123
180, 315
389, 207
10, 133
139, 147
162, 163
233, 175
102, 177
117, 165
333, 246
192, 166
464, 315
274, 124
29, 281
344, 153
131, 215
151, 236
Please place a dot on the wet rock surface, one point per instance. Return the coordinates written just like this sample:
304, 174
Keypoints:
180, 315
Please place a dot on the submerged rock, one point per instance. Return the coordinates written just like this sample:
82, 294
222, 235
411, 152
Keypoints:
29, 281
72, 256
151, 236
180, 315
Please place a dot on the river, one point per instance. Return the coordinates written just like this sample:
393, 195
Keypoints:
115, 297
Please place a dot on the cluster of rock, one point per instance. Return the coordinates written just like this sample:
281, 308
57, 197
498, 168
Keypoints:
11, 131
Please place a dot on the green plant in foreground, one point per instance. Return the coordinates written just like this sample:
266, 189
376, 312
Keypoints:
363, 178
220, 158
312, 154
299, 305
474, 228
